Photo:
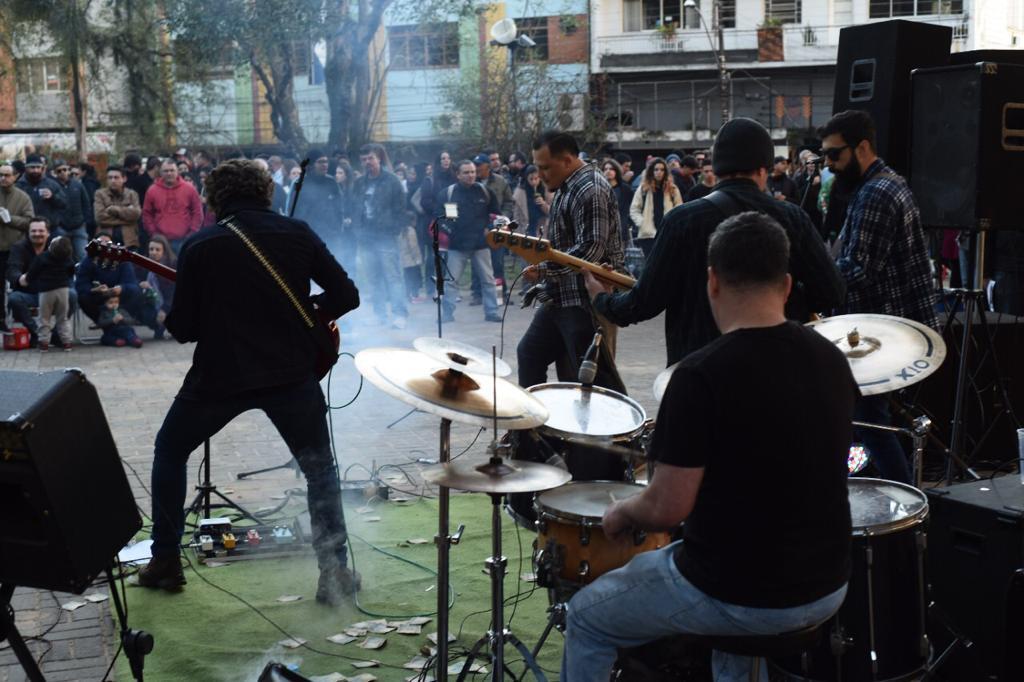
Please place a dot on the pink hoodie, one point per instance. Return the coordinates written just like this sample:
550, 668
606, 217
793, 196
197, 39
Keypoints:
175, 212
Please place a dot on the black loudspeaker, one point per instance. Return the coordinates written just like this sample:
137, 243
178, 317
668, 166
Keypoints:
873, 74
66, 508
967, 146
975, 558
997, 56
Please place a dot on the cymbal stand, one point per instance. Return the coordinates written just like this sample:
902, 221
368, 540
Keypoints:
443, 540
918, 434
498, 635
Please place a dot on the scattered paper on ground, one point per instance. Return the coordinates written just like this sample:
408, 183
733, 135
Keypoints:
96, 598
419, 620
363, 677
292, 643
216, 564
366, 664
355, 632
332, 677
341, 638
418, 541
410, 629
373, 643
417, 663
433, 637
72, 605
285, 598
371, 519
528, 577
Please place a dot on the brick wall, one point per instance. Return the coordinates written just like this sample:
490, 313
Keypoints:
567, 48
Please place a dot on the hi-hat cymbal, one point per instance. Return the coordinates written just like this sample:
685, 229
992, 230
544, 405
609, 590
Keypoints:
502, 477
419, 381
461, 356
886, 353
661, 381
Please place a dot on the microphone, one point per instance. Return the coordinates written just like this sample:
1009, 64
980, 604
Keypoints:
588, 368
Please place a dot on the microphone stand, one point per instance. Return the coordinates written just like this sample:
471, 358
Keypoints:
292, 200
810, 183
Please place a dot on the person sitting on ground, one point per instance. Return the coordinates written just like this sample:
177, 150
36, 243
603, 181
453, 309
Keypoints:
50, 275
94, 284
161, 289
24, 297
116, 330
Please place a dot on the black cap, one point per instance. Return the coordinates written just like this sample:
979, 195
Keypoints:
742, 145
34, 160
781, 159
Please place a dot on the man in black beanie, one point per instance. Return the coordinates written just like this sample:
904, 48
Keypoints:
675, 277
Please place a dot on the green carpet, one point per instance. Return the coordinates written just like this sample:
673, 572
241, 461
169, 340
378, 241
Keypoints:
206, 634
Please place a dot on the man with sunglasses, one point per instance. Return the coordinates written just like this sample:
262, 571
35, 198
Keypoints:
883, 257
79, 208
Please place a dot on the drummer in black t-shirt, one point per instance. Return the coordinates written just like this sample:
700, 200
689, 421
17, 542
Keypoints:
751, 444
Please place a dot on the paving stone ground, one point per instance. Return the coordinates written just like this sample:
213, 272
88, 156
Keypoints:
137, 386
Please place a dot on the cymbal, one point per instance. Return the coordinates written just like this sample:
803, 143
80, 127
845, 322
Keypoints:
661, 381
453, 353
502, 477
418, 381
886, 353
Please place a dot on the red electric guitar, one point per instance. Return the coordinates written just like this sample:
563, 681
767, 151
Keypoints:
107, 253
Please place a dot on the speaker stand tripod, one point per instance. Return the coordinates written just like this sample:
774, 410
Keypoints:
9, 631
201, 503
498, 635
973, 301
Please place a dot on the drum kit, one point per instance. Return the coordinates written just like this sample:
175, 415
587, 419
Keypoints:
597, 439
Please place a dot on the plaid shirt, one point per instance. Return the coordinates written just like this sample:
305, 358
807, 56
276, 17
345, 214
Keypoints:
884, 258
584, 223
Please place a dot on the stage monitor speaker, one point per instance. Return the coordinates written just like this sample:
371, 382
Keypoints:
873, 74
967, 146
975, 554
66, 508
997, 56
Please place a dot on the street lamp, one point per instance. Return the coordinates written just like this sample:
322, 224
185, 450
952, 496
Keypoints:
505, 33
719, 50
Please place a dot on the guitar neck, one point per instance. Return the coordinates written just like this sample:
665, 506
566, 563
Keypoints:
578, 264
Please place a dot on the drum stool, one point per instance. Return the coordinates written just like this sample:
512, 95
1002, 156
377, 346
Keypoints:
792, 643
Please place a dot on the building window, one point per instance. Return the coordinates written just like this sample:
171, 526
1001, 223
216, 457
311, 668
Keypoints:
727, 13
647, 15
423, 46
884, 9
48, 74
782, 11
301, 55
537, 29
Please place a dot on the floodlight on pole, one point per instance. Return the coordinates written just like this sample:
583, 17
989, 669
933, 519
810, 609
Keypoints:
505, 33
718, 50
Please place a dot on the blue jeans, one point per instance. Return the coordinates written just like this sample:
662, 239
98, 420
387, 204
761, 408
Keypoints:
481, 263
21, 301
383, 274
883, 448
648, 599
79, 237
298, 412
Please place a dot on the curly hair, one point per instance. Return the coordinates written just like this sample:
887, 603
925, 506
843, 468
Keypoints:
238, 180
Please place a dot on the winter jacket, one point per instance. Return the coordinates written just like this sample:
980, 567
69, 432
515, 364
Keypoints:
78, 207
642, 212
117, 210
19, 205
175, 212
389, 216
48, 273
53, 208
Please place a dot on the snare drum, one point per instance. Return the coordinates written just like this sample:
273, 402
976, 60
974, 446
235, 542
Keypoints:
598, 415
879, 632
572, 550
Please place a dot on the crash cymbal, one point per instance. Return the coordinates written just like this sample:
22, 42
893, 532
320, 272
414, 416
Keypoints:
886, 353
460, 356
661, 381
419, 381
499, 477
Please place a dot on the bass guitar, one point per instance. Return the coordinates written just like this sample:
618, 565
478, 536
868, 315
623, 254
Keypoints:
536, 250
106, 254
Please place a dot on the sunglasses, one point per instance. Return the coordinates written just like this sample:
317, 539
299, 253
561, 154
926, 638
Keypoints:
62, 170
834, 153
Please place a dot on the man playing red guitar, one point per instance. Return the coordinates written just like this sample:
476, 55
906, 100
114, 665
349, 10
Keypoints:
254, 350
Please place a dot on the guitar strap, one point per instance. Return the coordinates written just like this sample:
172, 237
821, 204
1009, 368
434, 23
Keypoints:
230, 224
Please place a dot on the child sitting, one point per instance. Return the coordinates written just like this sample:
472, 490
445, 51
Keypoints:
50, 274
116, 331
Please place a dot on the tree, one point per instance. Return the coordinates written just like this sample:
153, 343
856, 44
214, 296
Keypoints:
265, 35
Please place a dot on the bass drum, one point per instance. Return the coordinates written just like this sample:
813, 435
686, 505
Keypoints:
879, 632
598, 415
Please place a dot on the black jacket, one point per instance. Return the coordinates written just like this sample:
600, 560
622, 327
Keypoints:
675, 277
47, 273
390, 215
79, 207
19, 262
317, 205
53, 208
476, 203
248, 335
